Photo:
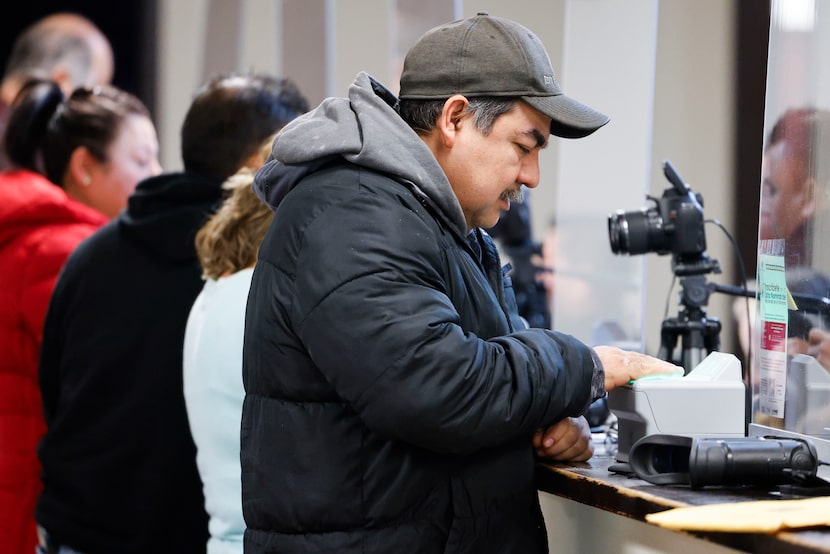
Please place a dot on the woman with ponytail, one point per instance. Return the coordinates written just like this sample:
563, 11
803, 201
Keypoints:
74, 161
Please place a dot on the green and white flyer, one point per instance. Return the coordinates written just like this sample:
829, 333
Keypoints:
774, 305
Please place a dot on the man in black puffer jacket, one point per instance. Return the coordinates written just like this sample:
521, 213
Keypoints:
394, 400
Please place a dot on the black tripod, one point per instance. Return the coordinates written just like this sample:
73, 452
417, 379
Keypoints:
700, 335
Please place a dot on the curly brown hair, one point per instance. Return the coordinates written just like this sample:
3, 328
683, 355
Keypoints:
230, 239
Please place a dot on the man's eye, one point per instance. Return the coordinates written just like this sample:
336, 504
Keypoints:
524, 149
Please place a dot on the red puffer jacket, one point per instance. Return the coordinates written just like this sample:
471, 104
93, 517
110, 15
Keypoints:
39, 227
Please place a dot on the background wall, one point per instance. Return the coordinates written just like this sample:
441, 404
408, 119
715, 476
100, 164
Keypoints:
661, 70
694, 127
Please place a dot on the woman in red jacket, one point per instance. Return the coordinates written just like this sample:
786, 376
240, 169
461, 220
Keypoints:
76, 161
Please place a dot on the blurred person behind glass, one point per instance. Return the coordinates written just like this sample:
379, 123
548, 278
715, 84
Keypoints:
790, 181
75, 161
792, 184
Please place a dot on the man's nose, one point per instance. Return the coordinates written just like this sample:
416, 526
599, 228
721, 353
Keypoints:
529, 175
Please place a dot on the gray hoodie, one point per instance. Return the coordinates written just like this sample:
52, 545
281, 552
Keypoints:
364, 129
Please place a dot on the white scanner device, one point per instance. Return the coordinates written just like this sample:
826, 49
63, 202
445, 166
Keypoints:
709, 401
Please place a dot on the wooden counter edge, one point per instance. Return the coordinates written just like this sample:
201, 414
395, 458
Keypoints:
564, 480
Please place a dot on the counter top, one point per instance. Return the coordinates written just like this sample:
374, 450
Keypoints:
592, 483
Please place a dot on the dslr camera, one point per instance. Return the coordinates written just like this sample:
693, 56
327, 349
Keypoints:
673, 225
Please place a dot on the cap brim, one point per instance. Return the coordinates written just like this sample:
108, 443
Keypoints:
569, 118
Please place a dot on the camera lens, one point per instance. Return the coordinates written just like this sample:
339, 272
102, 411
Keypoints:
750, 460
618, 233
635, 232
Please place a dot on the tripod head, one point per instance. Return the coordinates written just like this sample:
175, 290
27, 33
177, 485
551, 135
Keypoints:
699, 334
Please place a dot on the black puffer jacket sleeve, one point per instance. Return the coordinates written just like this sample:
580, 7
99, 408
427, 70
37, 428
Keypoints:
379, 315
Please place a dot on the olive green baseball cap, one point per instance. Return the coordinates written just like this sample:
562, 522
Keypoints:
493, 56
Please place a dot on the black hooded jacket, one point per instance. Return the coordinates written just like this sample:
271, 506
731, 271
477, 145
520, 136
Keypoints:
119, 466
391, 390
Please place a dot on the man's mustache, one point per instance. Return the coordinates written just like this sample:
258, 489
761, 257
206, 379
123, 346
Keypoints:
513, 195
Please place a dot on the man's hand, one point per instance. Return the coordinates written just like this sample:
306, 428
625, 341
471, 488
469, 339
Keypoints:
621, 366
568, 440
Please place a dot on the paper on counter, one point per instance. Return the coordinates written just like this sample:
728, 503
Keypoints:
762, 516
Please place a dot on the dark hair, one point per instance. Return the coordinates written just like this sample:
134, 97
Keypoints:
44, 128
803, 129
422, 114
229, 118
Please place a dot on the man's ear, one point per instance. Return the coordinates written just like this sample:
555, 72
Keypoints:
451, 118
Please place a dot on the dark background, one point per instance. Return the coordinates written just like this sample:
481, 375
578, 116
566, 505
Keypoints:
129, 25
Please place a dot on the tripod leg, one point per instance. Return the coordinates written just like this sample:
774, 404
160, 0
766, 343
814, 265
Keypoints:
712, 335
668, 340
691, 358
694, 342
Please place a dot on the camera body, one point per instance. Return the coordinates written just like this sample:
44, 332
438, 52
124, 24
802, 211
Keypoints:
674, 225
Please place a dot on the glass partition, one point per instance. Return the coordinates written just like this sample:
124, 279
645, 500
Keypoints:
790, 373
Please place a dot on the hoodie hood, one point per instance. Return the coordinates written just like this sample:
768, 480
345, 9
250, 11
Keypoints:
165, 212
363, 129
